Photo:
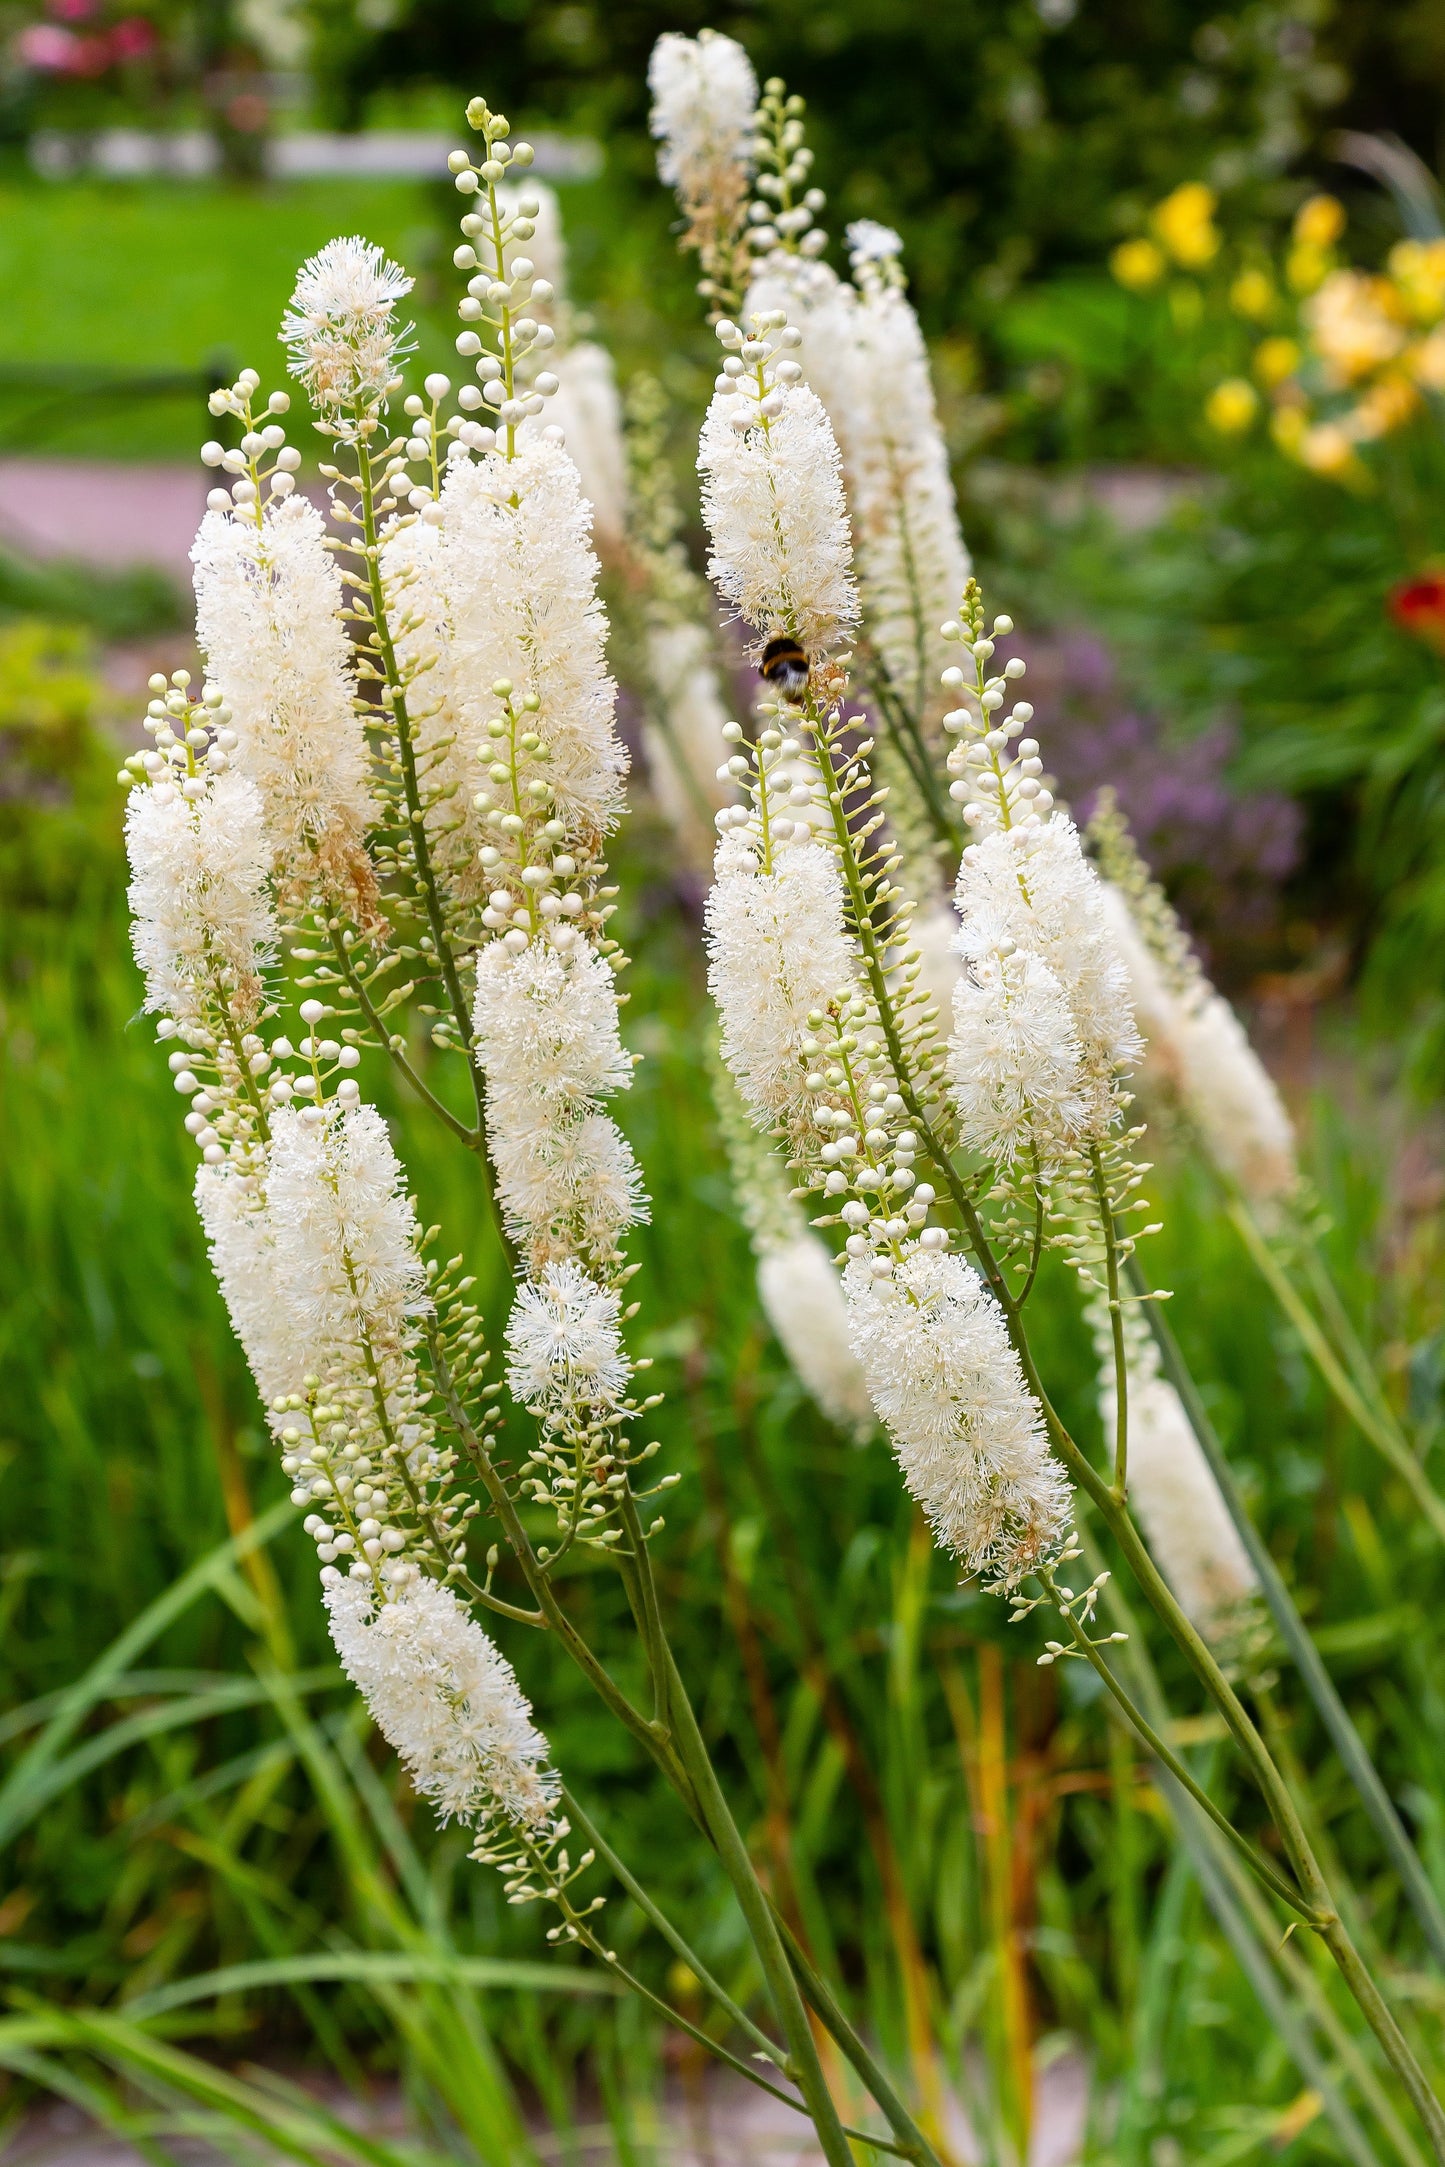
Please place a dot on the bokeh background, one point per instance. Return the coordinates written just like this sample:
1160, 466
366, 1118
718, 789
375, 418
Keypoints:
1238, 624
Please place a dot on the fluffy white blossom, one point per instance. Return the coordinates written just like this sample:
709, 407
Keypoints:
548, 1047
969, 1437
1013, 1060
520, 584
803, 1301
243, 1255
1172, 1488
1198, 1049
772, 497
704, 97
203, 928
268, 602
445, 1697
346, 1269
1031, 886
778, 947
564, 1340
339, 330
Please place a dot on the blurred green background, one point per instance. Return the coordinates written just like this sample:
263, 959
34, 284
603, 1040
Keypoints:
1212, 624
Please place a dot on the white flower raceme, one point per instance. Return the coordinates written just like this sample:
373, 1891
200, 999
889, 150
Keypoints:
773, 502
445, 1697
1029, 888
520, 583
1172, 1488
969, 1437
547, 1045
564, 1338
779, 947
1197, 1048
203, 928
704, 97
340, 333
589, 413
912, 563
863, 353
803, 1300
268, 603
682, 746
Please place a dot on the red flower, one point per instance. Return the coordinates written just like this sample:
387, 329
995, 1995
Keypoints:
132, 38
1418, 607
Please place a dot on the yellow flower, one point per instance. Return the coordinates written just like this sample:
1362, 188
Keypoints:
1418, 270
1326, 449
1252, 294
1354, 325
1319, 222
1184, 222
1231, 406
1306, 267
1427, 361
1288, 426
1137, 265
1383, 408
1275, 359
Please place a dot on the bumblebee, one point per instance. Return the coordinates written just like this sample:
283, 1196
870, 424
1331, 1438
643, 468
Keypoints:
785, 666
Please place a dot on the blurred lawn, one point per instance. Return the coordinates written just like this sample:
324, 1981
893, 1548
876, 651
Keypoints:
153, 277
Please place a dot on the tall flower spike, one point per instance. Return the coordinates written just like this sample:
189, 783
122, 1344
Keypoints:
773, 498
970, 1440
269, 599
446, 1699
1184, 1517
1196, 1046
704, 97
340, 329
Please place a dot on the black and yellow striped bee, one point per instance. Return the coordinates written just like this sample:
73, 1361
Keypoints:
785, 666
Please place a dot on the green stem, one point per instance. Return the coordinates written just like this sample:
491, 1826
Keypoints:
1293, 1632
1170, 1760
1381, 1430
912, 2143
762, 1927
1116, 1325
669, 1932
361, 994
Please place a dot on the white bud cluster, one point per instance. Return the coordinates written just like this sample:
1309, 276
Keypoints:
500, 336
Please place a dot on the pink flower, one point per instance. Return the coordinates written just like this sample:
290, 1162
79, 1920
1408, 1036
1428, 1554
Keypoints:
43, 45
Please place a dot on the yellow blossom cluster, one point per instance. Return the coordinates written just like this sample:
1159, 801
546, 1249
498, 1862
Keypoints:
1345, 356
